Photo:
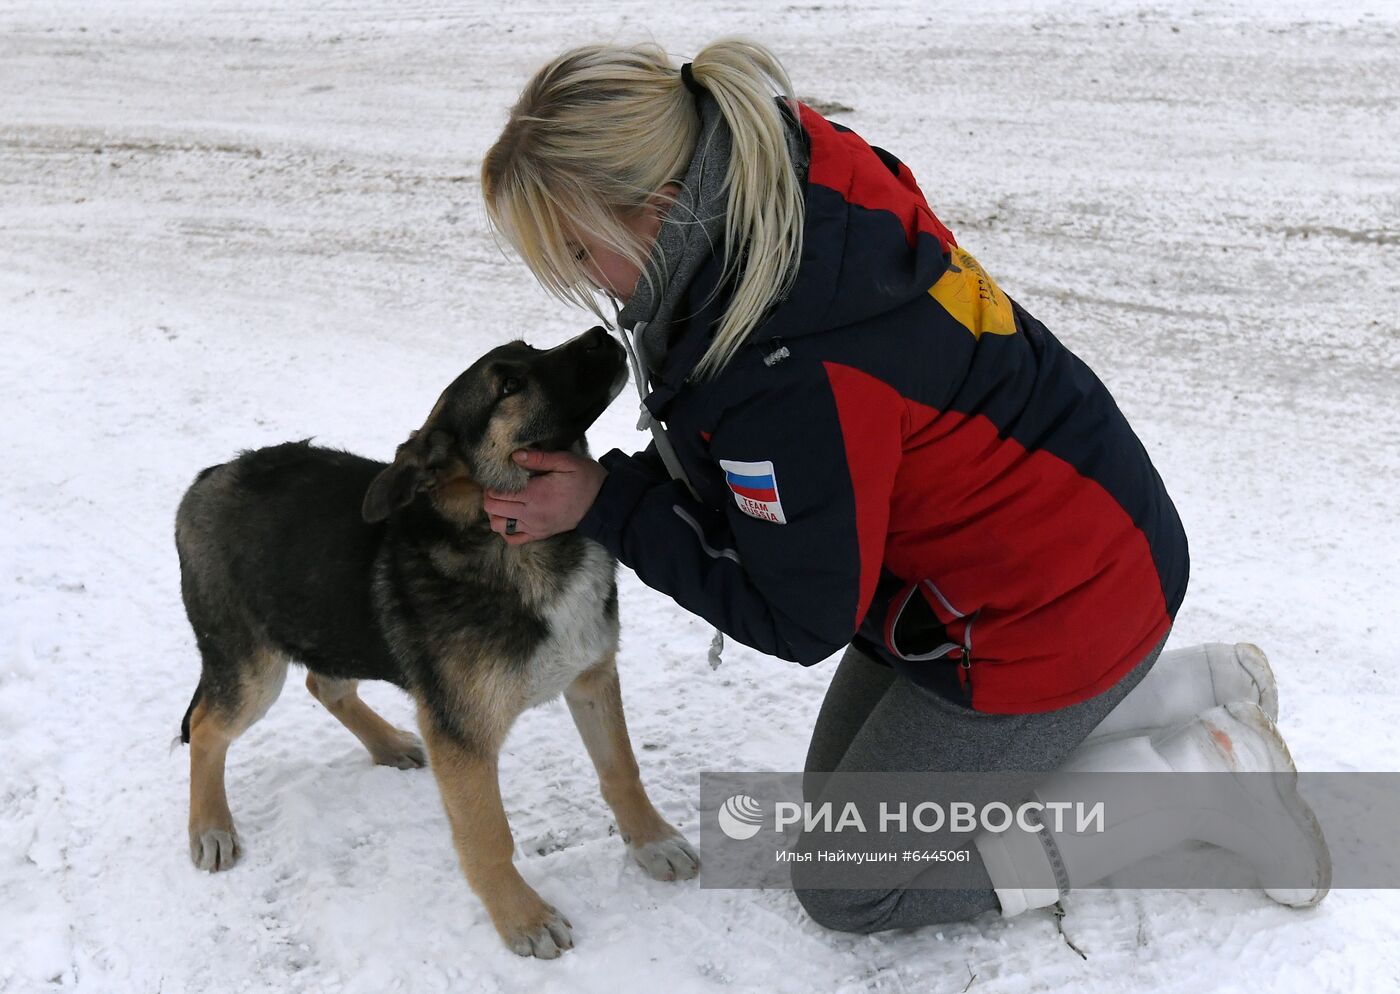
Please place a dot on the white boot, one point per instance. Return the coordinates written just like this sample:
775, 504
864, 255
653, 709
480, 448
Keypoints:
1260, 818
1184, 682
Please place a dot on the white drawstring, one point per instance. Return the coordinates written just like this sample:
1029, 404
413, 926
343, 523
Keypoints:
648, 423
663, 444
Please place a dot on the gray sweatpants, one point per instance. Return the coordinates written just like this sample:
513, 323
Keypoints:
875, 720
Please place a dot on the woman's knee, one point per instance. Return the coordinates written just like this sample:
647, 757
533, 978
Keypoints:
867, 911
840, 910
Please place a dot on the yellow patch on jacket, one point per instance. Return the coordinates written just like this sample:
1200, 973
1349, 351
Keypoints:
972, 297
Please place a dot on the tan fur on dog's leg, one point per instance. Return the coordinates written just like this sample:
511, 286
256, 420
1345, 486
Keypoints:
595, 700
213, 841
387, 745
472, 796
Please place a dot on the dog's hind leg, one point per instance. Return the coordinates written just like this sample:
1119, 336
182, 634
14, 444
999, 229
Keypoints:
595, 700
389, 746
229, 700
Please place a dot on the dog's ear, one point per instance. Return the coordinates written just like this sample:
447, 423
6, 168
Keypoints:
413, 470
395, 486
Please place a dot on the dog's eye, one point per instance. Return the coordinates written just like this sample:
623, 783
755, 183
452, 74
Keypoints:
510, 385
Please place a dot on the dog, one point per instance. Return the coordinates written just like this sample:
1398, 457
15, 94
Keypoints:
360, 570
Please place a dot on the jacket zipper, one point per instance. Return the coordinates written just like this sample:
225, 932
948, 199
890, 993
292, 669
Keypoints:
965, 663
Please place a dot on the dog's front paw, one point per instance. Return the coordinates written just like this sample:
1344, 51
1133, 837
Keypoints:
214, 849
403, 750
544, 934
671, 858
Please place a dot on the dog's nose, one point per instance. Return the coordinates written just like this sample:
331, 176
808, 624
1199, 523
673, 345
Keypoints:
595, 338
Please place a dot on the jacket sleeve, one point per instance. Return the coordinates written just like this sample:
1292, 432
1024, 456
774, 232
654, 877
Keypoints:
796, 589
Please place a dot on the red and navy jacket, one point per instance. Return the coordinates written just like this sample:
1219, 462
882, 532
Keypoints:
902, 457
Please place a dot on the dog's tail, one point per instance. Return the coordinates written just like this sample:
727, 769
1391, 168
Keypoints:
185, 722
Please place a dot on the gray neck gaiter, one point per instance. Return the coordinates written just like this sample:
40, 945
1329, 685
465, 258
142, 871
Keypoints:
691, 232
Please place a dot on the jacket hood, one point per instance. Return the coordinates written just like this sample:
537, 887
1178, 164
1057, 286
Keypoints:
870, 241
870, 245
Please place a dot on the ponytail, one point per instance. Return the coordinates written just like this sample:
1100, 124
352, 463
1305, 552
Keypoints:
763, 233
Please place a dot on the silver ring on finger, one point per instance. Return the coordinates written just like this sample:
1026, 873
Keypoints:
511, 524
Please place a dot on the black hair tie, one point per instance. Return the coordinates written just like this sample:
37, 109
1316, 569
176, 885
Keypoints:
688, 78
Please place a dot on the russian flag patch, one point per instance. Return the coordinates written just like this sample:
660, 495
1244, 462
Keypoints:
755, 489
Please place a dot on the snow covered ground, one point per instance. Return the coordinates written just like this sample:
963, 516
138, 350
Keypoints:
232, 223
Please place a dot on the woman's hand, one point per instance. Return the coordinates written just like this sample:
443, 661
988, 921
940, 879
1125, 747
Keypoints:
552, 502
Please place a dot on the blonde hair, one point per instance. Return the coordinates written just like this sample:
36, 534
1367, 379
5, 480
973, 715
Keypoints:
601, 129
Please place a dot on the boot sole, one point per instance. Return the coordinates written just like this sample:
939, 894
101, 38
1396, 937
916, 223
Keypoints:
1256, 720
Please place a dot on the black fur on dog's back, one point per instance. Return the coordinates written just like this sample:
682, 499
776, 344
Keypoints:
273, 549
